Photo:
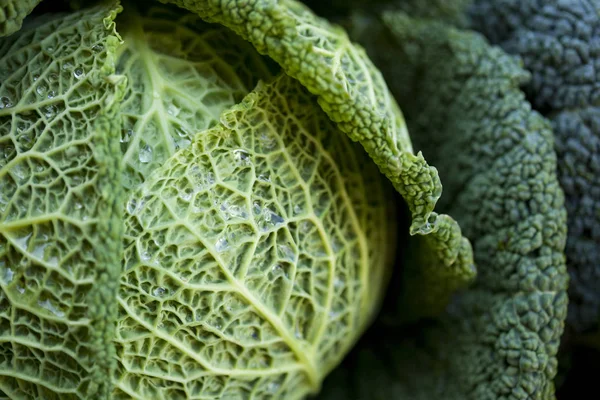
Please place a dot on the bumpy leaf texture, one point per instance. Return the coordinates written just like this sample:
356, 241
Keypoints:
559, 42
257, 235
12, 14
253, 257
351, 90
60, 207
451, 11
500, 338
182, 73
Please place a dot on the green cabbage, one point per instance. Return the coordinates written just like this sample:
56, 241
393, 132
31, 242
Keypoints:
183, 217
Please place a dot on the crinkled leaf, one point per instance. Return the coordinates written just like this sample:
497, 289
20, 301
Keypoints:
351, 90
558, 42
254, 258
501, 337
12, 14
60, 207
182, 73
577, 143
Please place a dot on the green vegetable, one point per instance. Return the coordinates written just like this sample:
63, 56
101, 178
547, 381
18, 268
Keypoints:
179, 218
258, 254
60, 206
499, 339
12, 14
558, 44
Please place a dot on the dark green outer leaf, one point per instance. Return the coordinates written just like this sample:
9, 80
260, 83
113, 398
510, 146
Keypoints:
559, 43
12, 14
465, 109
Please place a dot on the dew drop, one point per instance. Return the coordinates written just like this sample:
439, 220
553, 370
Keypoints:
20, 172
145, 256
36, 77
274, 218
210, 178
221, 245
50, 307
277, 270
267, 141
286, 253
273, 387
160, 291
126, 136
8, 151
173, 110
181, 132
51, 94
145, 154
25, 141
20, 289
53, 77
264, 178
50, 111
23, 241
183, 143
97, 48
8, 275
233, 211
186, 196
77, 180
241, 156
39, 251
41, 89
5, 102
21, 127
78, 73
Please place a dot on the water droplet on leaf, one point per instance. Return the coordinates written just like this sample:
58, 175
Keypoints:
145, 256
173, 110
78, 73
241, 156
50, 307
145, 154
8, 275
221, 245
5, 102
50, 111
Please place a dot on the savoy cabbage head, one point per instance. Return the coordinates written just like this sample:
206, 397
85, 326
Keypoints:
194, 210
